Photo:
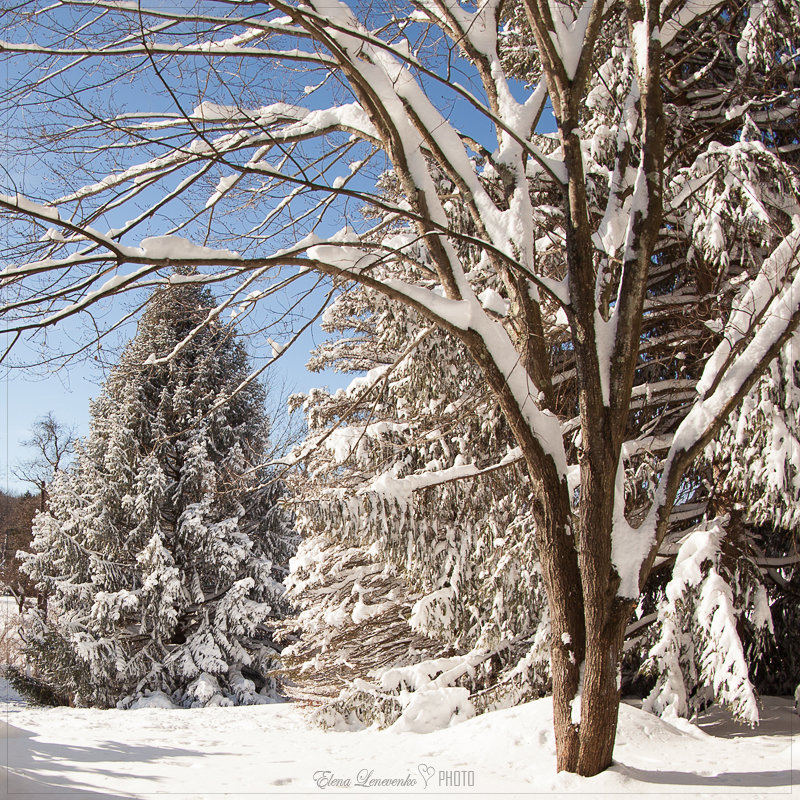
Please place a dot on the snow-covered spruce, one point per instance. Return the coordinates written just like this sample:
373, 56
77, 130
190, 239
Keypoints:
160, 552
390, 555
403, 534
756, 463
727, 612
699, 657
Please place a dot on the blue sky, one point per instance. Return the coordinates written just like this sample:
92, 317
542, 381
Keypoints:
66, 391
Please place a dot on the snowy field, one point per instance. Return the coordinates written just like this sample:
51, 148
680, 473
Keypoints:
265, 750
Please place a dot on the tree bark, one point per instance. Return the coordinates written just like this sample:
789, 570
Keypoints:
601, 694
562, 580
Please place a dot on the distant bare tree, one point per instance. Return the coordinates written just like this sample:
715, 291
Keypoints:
53, 443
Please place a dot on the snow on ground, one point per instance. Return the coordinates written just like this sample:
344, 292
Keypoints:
259, 751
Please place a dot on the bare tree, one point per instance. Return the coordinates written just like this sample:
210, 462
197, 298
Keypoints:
620, 283
53, 443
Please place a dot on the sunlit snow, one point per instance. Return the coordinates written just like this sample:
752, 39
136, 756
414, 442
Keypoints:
260, 751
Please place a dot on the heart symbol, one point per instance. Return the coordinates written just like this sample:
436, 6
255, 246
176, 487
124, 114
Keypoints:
427, 772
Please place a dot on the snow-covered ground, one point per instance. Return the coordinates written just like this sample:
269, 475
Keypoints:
264, 750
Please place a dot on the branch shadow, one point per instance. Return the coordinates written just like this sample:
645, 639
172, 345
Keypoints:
724, 780
47, 769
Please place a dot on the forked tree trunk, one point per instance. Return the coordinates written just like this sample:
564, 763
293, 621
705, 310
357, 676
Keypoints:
585, 673
587, 619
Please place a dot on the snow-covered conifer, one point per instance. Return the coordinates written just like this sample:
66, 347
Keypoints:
727, 617
713, 595
395, 495
757, 453
161, 549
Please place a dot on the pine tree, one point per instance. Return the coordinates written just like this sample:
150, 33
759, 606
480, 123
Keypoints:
160, 551
411, 553
704, 631
728, 616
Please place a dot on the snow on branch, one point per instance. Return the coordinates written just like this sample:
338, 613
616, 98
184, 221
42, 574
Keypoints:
569, 32
775, 304
699, 590
401, 489
754, 307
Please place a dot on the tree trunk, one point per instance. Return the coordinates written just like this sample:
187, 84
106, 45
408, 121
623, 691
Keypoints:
603, 610
585, 669
582, 587
587, 618
601, 694
559, 563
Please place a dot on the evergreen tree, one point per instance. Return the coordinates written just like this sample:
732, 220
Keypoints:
397, 469
412, 552
728, 616
160, 550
